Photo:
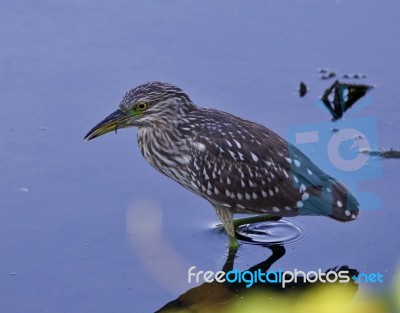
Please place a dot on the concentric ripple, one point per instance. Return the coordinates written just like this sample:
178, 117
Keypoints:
268, 233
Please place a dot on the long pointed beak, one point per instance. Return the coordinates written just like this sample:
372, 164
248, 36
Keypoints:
112, 122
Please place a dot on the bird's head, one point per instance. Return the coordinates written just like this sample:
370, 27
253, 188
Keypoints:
145, 105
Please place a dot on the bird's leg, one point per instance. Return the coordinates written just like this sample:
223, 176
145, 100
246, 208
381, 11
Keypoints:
254, 219
226, 217
233, 244
230, 260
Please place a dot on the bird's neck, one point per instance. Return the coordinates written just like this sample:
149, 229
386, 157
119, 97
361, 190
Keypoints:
164, 149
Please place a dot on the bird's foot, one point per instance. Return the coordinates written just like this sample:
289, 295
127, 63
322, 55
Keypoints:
254, 219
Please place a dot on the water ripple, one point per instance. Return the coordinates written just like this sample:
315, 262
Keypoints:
268, 233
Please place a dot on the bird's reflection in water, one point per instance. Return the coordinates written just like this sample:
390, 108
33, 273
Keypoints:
216, 297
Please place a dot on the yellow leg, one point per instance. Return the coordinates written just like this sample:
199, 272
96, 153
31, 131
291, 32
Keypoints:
226, 217
254, 219
233, 244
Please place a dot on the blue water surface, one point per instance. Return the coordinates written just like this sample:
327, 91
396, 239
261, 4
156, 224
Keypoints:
91, 227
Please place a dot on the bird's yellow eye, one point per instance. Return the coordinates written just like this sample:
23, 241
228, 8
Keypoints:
141, 106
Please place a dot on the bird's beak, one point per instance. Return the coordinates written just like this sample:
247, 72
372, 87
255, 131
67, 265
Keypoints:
114, 121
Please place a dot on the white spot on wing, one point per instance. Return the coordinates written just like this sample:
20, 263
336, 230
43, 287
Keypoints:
228, 142
286, 174
255, 158
232, 154
237, 143
339, 204
205, 174
194, 185
199, 146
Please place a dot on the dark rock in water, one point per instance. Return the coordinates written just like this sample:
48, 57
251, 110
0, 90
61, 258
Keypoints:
344, 97
303, 89
389, 154
354, 76
328, 75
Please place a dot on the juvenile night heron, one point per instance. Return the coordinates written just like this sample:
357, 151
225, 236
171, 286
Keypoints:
237, 165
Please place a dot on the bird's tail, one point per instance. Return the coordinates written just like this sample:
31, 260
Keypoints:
344, 203
333, 199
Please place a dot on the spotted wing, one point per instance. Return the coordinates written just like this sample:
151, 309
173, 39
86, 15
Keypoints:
248, 168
